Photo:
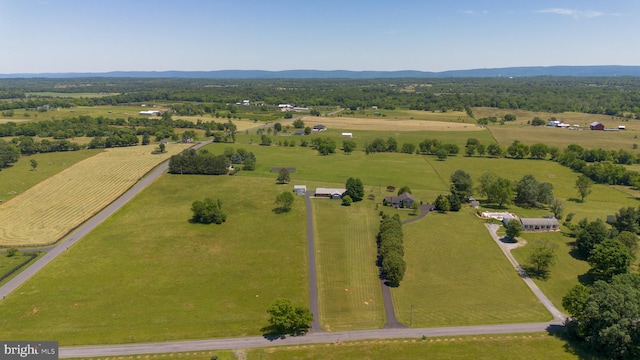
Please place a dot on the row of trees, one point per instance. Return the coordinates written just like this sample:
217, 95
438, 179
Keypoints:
391, 249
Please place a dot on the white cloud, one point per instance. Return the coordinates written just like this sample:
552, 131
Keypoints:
573, 13
474, 12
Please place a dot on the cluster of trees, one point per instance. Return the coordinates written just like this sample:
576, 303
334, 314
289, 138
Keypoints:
208, 211
324, 145
115, 140
286, 319
461, 189
202, 162
494, 119
28, 145
391, 249
601, 166
427, 147
604, 316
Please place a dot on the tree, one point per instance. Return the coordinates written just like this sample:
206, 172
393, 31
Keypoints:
513, 229
355, 189
208, 211
393, 267
404, 189
454, 202
531, 192
509, 117
518, 150
284, 202
461, 185
605, 317
307, 130
162, 148
346, 200
285, 319
298, 124
542, 256
249, 164
146, 139
9, 154
442, 203
494, 150
277, 127
609, 258
408, 148
627, 219
283, 176
442, 154
392, 144
265, 140
557, 208
34, 164
12, 251
348, 146
583, 184
415, 208
590, 235
539, 151
630, 240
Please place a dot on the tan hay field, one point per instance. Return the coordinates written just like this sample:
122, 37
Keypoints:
348, 123
49, 210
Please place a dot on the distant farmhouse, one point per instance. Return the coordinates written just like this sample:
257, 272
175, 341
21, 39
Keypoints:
596, 126
150, 113
330, 193
404, 200
318, 128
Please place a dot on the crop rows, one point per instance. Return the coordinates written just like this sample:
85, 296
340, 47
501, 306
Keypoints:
49, 210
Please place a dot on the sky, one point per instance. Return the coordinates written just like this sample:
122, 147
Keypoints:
45, 36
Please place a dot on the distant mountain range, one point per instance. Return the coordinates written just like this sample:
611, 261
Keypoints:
529, 71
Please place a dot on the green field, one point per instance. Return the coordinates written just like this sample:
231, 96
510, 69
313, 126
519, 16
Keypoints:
164, 278
11, 266
349, 289
490, 347
19, 177
456, 275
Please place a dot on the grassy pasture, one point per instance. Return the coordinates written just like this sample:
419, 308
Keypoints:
406, 114
17, 178
490, 347
147, 274
385, 124
581, 119
54, 206
9, 264
456, 275
348, 284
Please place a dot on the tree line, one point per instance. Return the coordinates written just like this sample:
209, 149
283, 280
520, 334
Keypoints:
391, 249
203, 162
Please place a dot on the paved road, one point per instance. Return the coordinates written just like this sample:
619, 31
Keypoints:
85, 228
506, 249
312, 338
311, 259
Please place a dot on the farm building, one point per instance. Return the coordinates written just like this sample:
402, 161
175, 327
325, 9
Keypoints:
319, 127
347, 135
330, 193
622, 127
536, 224
403, 200
300, 189
150, 113
596, 126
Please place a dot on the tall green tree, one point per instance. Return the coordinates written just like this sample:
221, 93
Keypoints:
627, 219
461, 184
441, 203
284, 202
630, 240
513, 229
355, 189
9, 154
542, 256
34, 164
285, 319
348, 146
283, 176
610, 258
583, 184
592, 234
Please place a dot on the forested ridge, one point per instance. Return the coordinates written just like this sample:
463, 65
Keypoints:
606, 95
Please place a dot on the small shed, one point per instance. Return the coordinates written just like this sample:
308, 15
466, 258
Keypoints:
596, 126
347, 135
300, 189
622, 127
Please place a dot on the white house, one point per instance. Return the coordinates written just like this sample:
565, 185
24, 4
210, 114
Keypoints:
150, 113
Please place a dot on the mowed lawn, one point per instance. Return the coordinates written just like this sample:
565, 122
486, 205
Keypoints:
350, 295
491, 347
147, 274
457, 275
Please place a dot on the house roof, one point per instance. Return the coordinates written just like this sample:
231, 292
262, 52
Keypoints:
302, 187
330, 191
400, 198
595, 123
539, 221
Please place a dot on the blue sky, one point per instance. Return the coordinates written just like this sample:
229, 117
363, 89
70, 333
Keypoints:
126, 35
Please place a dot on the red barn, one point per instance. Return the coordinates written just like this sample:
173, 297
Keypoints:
596, 126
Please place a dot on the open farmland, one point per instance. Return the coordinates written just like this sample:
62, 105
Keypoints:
385, 124
348, 278
148, 274
53, 207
